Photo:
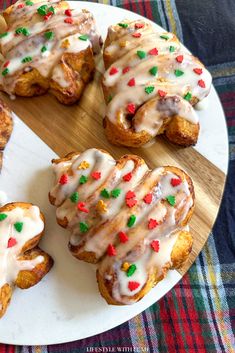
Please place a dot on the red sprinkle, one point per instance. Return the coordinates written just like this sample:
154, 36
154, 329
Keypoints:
48, 16
111, 251
20, 6
81, 207
139, 25
131, 108
129, 195
155, 245
127, 177
96, 175
197, 71
201, 83
132, 285
179, 58
176, 181
11, 242
161, 93
126, 69
153, 51
113, 71
68, 12
69, 20
131, 82
136, 35
152, 223
148, 198
123, 237
131, 202
6, 63
64, 179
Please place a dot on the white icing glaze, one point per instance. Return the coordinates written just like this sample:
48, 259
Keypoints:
17, 47
3, 197
167, 78
33, 225
202, 105
104, 228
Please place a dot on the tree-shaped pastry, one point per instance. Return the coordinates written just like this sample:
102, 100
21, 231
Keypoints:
22, 262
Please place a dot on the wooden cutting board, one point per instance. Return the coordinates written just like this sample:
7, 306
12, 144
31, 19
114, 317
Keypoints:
78, 127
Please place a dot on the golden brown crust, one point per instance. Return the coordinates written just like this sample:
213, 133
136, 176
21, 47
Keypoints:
5, 298
6, 124
29, 251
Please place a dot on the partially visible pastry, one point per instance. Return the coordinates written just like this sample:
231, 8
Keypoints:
48, 46
124, 216
150, 86
6, 126
22, 262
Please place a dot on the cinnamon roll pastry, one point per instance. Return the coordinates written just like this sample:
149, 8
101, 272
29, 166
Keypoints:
150, 86
6, 127
22, 262
129, 219
48, 46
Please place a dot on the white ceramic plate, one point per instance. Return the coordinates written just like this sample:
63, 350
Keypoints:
63, 306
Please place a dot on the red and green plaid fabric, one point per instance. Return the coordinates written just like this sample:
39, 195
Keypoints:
198, 315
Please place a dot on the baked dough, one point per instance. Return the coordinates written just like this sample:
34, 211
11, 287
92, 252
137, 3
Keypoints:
48, 46
150, 86
129, 219
6, 126
22, 262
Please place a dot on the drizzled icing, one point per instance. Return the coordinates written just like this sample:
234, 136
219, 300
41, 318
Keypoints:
157, 60
161, 202
17, 227
36, 48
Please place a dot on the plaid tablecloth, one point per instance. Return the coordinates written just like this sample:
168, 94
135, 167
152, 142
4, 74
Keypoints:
198, 315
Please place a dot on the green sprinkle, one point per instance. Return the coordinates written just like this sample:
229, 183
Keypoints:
49, 35
29, 3
178, 73
123, 25
27, 59
110, 98
5, 72
25, 32
18, 226
131, 270
43, 49
105, 193
163, 36
51, 9
2, 35
115, 193
83, 37
131, 221
149, 89
83, 227
83, 179
171, 200
74, 197
172, 49
141, 54
188, 96
153, 70
3, 216
42, 10
19, 30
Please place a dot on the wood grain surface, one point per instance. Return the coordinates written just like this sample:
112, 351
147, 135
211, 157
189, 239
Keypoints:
79, 127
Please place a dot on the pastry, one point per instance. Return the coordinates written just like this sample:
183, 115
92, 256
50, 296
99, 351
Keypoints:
6, 126
22, 262
48, 46
129, 219
150, 86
